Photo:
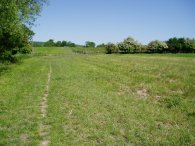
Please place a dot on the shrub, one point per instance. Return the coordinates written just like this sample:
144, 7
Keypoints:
181, 45
49, 43
25, 50
7, 56
189, 45
90, 44
14, 51
143, 49
157, 47
129, 45
111, 48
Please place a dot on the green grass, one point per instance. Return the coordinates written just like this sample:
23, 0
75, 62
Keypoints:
100, 99
89, 50
45, 51
21, 88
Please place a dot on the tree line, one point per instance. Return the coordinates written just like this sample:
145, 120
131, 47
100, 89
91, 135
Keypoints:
130, 45
173, 45
18, 16
52, 43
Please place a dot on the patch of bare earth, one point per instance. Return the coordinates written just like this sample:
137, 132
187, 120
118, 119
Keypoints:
172, 81
124, 89
142, 93
44, 128
24, 138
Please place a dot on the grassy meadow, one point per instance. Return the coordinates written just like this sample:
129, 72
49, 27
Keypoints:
118, 99
89, 50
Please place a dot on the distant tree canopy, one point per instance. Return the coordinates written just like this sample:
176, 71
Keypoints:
173, 45
181, 45
70, 44
112, 48
157, 47
129, 45
16, 18
90, 44
51, 43
58, 44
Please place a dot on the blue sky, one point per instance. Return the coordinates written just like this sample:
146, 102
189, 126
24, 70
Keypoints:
104, 21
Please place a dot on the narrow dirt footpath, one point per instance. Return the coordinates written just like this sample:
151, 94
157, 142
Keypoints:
44, 127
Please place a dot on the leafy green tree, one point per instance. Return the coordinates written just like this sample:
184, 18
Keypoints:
58, 44
157, 46
70, 44
181, 45
143, 49
13, 42
64, 43
16, 18
129, 45
189, 45
176, 45
111, 48
173, 45
90, 44
49, 43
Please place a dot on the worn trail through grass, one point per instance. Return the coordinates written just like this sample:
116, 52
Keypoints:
44, 127
58, 97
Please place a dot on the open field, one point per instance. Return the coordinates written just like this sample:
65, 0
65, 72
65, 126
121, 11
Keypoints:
65, 98
89, 50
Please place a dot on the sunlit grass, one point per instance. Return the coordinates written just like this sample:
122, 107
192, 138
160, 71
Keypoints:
21, 88
100, 99
89, 50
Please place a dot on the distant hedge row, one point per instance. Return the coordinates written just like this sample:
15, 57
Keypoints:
51, 43
173, 45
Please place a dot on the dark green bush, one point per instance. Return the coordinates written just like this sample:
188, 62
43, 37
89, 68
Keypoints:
157, 47
89, 44
181, 45
15, 51
111, 48
25, 50
7, 57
